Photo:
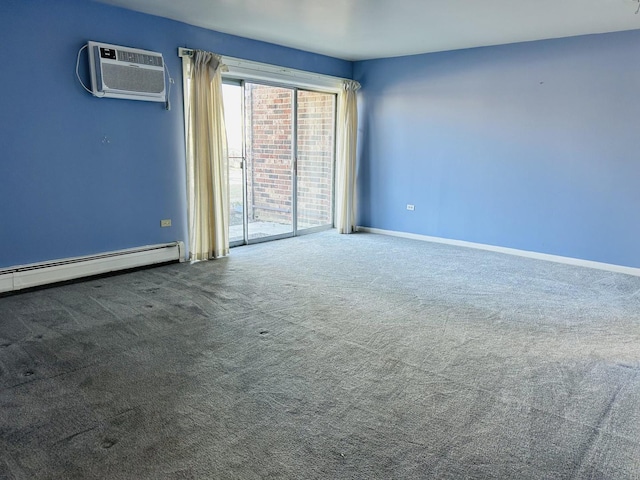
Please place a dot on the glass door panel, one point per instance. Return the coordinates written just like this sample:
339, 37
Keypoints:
316, 149
269, 154
232, 95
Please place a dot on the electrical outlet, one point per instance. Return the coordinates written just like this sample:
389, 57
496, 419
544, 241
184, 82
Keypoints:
165, 223
411, 207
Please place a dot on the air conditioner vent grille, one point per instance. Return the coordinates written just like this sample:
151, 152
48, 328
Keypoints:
139, 58
119, 77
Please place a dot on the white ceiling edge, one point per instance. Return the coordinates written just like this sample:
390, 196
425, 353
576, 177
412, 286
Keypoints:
368, 29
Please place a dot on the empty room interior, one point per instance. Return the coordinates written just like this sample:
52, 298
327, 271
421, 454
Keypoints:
319, 240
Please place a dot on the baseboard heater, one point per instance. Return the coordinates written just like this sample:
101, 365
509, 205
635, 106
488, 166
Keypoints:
36, 274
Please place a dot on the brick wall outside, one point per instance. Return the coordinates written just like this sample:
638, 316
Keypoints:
269, 155
269, 137
315, 157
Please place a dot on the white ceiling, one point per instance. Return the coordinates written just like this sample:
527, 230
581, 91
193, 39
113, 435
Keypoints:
365, 29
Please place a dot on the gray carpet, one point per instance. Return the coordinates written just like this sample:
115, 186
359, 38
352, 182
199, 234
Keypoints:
326, 356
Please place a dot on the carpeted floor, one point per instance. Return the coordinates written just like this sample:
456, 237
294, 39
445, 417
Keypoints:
326, 357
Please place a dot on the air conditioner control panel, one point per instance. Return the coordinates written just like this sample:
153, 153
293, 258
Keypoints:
109, 53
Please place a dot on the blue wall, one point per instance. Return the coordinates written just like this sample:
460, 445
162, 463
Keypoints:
530, 146
82, 175
533, 146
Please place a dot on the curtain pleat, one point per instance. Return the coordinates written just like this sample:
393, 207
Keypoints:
347, 134
206, 157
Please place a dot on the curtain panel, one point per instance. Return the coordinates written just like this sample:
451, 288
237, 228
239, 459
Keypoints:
347, 134
206, 156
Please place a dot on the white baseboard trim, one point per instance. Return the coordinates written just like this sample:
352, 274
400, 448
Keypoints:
509, 251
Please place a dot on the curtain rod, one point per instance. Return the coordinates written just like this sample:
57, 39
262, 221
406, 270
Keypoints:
251, 66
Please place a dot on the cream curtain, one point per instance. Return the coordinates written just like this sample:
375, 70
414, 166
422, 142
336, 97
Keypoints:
346, 158
206, 155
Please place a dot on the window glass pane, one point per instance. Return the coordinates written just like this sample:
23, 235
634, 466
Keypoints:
232, 95
316, 120
269, 154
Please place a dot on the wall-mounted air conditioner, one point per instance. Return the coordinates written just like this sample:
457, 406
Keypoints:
123, 72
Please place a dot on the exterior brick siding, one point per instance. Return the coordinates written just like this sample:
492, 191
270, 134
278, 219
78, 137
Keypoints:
269, 155
316, 112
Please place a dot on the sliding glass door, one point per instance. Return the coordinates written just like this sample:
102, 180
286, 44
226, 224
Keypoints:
281, 148
315, 159
232, 94
269, 160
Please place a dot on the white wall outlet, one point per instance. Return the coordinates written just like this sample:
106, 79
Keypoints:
411, 207
165, 223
